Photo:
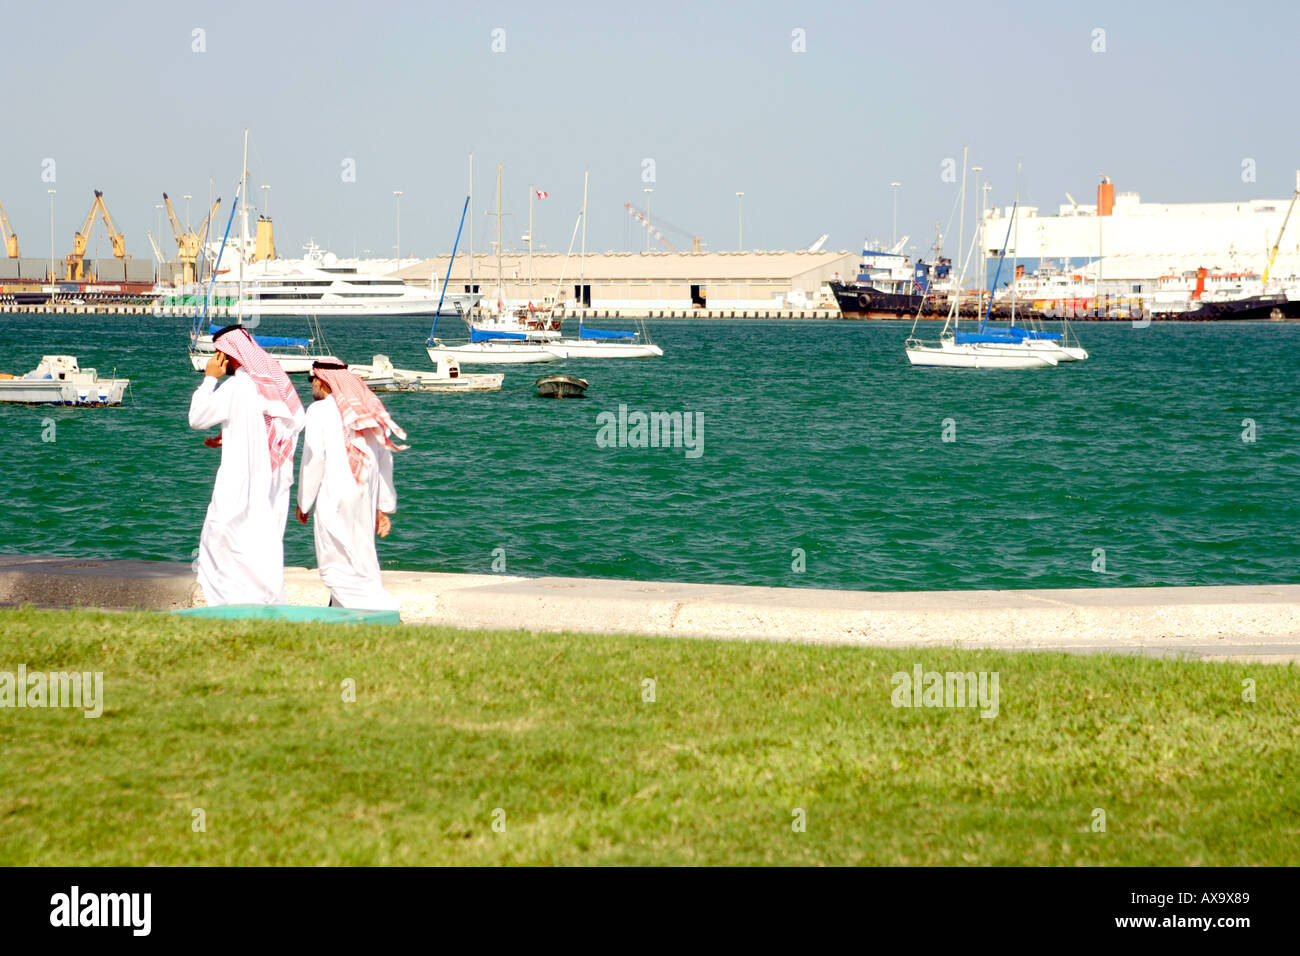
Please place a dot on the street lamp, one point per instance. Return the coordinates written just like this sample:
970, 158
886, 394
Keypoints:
398, 194
648, 192
894, 187
740, 222
51, 192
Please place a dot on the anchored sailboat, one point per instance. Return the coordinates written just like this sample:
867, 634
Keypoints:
486, 346
992, 346
600, 343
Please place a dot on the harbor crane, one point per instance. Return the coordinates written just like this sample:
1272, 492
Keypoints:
1273, 255
188, 243
641, 217
10, 237
75, 261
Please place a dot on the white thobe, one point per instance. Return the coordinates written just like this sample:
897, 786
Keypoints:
241, 550
345, 509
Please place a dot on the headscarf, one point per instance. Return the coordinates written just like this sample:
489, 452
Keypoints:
364, 416
282, 408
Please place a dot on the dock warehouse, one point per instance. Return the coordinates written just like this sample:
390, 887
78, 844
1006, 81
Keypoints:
650, 280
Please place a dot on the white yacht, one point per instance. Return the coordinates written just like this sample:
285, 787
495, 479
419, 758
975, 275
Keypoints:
322, 285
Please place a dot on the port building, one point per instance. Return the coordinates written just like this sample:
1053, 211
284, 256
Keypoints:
637, 281
1141, 241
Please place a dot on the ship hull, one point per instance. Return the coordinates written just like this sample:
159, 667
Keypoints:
861, 301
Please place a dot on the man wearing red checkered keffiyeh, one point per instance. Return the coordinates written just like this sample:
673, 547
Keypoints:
347, 479
241, 550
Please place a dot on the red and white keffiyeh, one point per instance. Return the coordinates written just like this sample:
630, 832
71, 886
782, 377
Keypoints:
283, 408
363, 416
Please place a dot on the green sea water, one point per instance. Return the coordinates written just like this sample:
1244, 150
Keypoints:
823, 464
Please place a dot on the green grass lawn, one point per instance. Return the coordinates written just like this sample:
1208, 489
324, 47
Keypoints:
247, 722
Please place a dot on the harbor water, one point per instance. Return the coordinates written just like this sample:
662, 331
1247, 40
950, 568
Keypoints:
1171, 457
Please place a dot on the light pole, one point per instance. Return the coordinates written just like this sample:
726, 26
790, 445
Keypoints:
398, 194
740, 222
187, 216
648, 192
894, 187
51, 192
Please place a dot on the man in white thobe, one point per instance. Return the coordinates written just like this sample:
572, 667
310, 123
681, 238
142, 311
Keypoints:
347, 480
241, 549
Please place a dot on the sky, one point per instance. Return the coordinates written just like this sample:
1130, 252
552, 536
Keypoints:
810, 109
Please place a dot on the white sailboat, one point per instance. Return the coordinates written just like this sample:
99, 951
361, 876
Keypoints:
600, 343
487, 346
988, 347
294, 355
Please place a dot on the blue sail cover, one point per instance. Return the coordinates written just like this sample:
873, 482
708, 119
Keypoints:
482, 335
586, 333
269, 341
1010, 336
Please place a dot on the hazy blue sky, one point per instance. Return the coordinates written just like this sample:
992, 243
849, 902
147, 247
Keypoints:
713, 93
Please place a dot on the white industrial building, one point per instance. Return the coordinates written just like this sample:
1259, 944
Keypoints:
1138, 242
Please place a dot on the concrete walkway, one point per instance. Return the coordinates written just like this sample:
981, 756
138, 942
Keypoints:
1252, 622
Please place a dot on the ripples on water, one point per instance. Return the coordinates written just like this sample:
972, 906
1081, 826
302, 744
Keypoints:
817, 436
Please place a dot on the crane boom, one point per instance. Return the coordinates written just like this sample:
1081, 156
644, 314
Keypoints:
640, 217
1276, 245
10, 237
74, 262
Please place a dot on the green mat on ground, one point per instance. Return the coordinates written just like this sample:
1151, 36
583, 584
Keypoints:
291, 612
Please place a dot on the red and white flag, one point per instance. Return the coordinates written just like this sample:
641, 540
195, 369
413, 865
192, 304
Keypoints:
540, 194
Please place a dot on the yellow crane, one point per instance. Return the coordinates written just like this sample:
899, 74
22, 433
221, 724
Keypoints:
188, 242
75, 261
10, 237
1273, 255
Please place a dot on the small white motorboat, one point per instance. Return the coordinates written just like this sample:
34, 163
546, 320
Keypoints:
59, 380
382, 377
590, 349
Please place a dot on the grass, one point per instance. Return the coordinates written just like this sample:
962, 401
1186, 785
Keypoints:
247, 722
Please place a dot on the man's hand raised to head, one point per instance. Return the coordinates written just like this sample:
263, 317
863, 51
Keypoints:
216, 366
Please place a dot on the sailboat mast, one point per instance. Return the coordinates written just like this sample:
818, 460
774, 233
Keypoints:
243, 213
530, 243
501, 292
961, 234
471, 224
1015, 255
582, 259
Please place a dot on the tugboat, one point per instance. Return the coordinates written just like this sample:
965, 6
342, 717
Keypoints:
890, 286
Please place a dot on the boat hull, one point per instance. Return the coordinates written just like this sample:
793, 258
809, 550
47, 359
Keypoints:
493, 353
577, 349
46, 392
861, 301
962, 356
292, 364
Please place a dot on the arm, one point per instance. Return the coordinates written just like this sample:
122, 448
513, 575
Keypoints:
312, 472
210, 406
387, 490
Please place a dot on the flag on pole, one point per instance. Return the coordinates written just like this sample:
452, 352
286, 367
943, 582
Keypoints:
540, 194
